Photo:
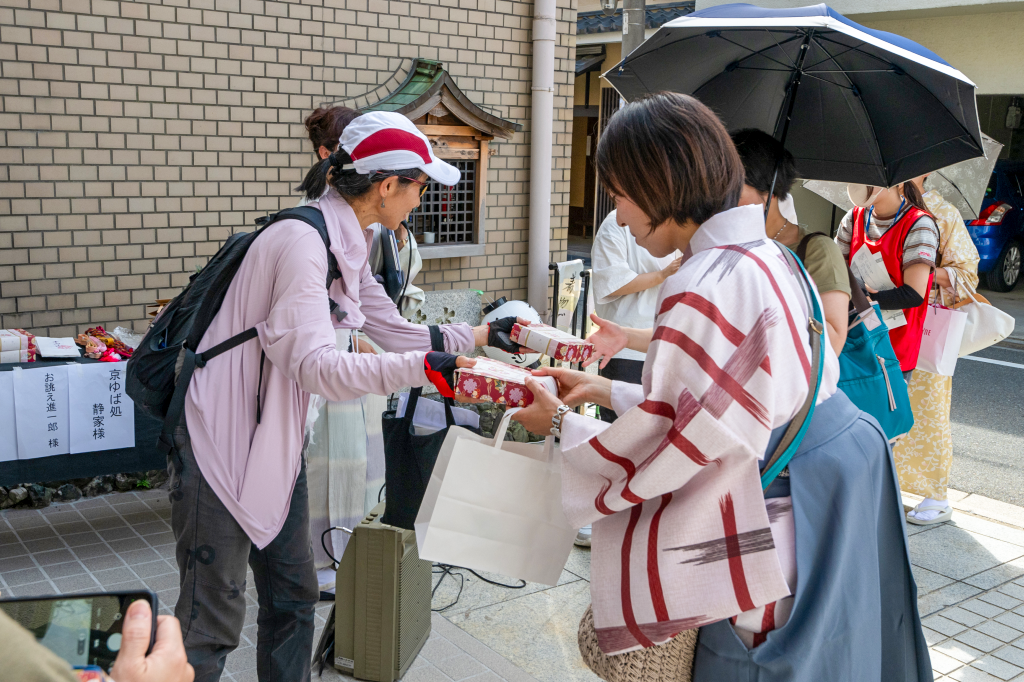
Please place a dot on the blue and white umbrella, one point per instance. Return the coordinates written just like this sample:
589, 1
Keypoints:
851, 104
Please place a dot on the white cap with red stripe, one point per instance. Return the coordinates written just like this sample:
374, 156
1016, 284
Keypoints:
386, 141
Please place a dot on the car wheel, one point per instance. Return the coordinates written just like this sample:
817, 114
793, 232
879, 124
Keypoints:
1005, 273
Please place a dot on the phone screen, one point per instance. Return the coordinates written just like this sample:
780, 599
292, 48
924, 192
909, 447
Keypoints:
82, 630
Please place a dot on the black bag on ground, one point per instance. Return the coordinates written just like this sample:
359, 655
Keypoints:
160, 369
408, 458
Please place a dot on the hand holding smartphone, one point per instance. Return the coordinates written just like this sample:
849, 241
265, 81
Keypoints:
83, 629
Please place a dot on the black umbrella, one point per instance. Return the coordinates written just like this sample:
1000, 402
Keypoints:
850, 103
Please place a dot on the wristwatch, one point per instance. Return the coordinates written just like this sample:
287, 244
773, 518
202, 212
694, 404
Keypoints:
556, 420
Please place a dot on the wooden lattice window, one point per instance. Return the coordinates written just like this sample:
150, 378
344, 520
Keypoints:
449, 213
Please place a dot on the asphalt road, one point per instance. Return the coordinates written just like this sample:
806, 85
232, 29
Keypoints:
988, 425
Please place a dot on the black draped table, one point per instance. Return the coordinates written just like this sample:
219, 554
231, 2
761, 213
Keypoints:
143, 457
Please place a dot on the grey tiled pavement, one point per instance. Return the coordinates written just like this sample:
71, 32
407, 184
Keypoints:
970, 575
124, 542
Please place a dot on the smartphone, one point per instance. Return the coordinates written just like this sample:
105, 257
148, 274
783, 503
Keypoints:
83, 629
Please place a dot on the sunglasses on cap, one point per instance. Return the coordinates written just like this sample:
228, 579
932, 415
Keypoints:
381, 175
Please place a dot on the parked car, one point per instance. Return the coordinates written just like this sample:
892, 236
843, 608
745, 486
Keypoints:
998, 232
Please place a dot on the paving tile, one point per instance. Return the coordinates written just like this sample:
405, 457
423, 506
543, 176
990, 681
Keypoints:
43, 545
12, 549
114, 575
978, 640
91, 503
127, 586
107, 524
957, 553
1013, 590
927, 581
36, 533
998, 668
65, 570
992, 529
959, 615
39, 589
97, 513
943, 625
138, 518
942, 664
23, 577
982, 608
1014, 620
25, 518
438, 649
63, 516
16, 562
57, 556
80, 539
65, 529
153, 568
76, 583
958, 650
241, 659
6, 535
1011, 654
128, 544
460, 667
102, 563
131, 507
90, 551
115, 534
162, 582
945, 596
998, 630
147, 529
932, 637
969, 674
1000, 599
426, 674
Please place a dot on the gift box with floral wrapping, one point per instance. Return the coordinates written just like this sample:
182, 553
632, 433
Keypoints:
497, 382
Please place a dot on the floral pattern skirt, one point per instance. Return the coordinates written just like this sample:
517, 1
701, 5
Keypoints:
924, 457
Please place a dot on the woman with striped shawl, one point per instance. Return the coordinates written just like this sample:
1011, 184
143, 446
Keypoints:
809, 580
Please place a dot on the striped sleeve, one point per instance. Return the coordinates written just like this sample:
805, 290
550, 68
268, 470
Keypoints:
844, 237
922, 243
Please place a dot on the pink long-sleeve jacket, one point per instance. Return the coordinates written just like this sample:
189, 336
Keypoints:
279, 289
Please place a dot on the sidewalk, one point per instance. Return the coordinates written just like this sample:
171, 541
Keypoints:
970, 575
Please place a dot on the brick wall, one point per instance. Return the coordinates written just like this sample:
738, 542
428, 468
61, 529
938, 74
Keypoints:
135, 136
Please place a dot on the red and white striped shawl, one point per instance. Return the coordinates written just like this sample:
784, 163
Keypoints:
681, 534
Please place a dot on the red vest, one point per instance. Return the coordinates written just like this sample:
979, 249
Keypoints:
906, 340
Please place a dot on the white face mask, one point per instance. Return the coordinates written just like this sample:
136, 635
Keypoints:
863, 195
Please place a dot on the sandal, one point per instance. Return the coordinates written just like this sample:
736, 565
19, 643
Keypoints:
945, 515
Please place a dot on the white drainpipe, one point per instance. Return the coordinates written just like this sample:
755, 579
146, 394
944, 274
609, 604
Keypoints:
541, 121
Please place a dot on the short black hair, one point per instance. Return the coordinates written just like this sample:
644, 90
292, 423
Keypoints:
671, 155
761, 153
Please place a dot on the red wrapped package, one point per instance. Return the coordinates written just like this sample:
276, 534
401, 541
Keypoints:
17, 345
552, 342
497, 382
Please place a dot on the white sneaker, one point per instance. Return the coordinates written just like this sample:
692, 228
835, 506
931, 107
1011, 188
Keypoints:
583, 537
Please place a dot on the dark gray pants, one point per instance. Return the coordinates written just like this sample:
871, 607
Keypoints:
629, 371
212, 553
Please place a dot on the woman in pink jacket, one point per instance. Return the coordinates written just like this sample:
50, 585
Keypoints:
238, 484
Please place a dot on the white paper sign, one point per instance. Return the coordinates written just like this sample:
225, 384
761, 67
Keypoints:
102, 414
869, 269
8, 428
57, 348
41, 408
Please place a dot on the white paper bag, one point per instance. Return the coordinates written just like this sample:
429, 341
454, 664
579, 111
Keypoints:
986, 324
940, 340
496, 506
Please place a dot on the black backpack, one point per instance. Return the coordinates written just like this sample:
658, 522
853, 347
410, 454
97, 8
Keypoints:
160, 369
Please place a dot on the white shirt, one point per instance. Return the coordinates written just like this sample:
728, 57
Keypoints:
616, 260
